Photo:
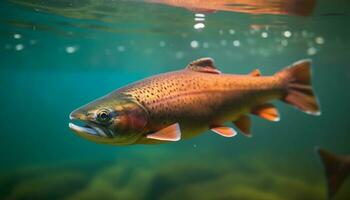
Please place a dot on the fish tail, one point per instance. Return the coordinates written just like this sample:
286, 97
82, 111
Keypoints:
299, 92
335, 171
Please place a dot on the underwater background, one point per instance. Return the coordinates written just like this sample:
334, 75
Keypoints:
58, 55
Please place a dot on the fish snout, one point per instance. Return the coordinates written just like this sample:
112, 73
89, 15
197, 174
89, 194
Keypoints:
77, 114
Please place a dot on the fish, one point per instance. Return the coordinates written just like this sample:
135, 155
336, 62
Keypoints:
337, 169
276, 7
185, 103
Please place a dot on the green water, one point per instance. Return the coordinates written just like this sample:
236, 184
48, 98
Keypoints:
58, 55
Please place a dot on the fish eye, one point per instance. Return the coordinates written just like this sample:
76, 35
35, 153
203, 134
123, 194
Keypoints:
103, 116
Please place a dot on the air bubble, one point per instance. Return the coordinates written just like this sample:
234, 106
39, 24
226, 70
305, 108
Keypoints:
223, 42
264, 34
162, 44
236, 43
319, 40
17, 36
199, 26
205, 45
311, 51
71, 49
194, 44
121, 48
284, 42
179, 54
19, 47
199, 15
287, 34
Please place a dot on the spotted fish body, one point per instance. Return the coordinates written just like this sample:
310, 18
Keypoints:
188, 102
199, 100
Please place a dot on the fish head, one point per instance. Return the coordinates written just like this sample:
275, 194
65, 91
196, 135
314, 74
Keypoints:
113, 119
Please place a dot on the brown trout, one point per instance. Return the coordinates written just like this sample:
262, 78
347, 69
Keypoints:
182, 104
337, 169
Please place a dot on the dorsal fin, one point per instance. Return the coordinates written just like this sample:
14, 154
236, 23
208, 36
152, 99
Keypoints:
243, 124
205, 65
267, 111
224, 131
170, 133
255, 72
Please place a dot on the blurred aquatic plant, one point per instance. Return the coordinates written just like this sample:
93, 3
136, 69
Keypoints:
116, 182
193, 178
49, 186
227, 180
47, 182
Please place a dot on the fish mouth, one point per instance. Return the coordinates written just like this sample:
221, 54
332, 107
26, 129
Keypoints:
83, 129
87, 129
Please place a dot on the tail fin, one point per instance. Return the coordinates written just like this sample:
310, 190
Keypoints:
335, 169
299, 89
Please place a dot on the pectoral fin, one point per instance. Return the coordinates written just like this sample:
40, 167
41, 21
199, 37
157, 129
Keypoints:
267, 111
224, 131
170, 133
243, 123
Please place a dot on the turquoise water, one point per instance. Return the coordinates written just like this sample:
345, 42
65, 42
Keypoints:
56, 56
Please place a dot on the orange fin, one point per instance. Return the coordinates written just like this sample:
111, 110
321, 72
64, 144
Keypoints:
255, 72
170, 133
267, 111
335, 169
299, 90
205, 65
243, 124
224, 131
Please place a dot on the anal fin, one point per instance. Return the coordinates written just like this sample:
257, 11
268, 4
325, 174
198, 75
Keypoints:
170, 133
243, 124
267, 111
224, 131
